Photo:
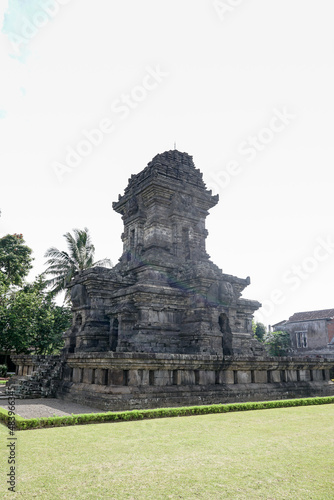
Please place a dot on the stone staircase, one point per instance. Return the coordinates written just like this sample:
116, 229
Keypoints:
42, 383
3, 392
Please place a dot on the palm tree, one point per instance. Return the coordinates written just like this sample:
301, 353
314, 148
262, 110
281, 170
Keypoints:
65, 265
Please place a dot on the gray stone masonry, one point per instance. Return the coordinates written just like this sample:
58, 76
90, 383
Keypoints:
124, 381
164, 295
36, 376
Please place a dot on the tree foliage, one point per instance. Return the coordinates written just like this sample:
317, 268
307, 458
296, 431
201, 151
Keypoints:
63, 266
278, 343
30, 322
15, 259
260, 331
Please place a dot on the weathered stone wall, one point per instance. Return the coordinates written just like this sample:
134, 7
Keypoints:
123, 381
120, 382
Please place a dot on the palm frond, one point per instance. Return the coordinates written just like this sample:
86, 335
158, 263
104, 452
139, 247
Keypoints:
103, 263
63, 266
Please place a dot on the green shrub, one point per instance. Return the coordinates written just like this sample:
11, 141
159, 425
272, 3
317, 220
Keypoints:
278, 343
90, 418
3, 370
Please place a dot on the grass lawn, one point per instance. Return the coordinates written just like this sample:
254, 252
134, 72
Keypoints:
285, 453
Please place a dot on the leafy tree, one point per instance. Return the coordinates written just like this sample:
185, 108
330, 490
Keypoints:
30, 322
65, 265
278, 343
15, 259
253, 326
260, 331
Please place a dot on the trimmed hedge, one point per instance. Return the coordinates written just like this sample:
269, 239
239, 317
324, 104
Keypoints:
90, 418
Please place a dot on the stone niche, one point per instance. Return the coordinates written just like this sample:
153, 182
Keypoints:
165, 295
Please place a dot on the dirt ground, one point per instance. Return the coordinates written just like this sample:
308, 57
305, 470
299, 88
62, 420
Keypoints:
46, 407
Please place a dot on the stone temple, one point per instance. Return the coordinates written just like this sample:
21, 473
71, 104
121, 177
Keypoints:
165, 326
164, 295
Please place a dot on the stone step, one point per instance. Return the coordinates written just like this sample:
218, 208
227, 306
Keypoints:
40, 382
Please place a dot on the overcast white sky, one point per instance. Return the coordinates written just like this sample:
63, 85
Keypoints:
245, 87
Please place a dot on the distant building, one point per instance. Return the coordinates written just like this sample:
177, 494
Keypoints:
310, 331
